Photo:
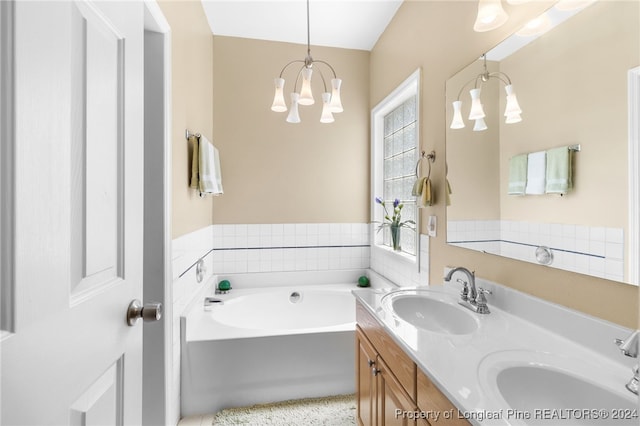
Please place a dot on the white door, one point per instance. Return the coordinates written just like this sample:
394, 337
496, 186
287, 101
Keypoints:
68, 355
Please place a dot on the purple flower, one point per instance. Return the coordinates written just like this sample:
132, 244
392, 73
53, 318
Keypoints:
378, 200
396, 202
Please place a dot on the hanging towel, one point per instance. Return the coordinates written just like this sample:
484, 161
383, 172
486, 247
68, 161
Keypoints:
536, 170
448, 192
427, 193
517, 174
195, 163
417, 187
559, 174
423, 192
210, 175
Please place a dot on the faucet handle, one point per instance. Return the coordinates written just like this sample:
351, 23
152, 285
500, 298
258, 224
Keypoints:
464, 294
481, 301
629, 346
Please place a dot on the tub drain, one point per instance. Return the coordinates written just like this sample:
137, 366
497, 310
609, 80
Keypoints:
295, 297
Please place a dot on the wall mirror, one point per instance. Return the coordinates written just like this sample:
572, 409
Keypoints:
577, 85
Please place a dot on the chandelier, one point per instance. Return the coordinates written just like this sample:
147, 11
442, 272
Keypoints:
331, 102
512, 110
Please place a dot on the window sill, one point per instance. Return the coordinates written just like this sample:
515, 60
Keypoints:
388, 251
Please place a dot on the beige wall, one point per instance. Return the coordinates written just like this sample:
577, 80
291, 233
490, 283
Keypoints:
192, 69
277, 172
438, 36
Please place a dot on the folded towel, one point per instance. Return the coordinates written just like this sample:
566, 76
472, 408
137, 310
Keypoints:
559, 174
536, 171
210, 175
195, 163
517, 174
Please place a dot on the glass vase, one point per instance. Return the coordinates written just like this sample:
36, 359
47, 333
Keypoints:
395, 237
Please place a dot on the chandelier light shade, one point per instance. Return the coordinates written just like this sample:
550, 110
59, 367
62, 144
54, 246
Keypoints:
512, 111
327, 116
331, 101
479, 125
278, 99
491, 15
457, 122
294, 116
476, 107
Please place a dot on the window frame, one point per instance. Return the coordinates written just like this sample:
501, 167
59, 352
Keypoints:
409, 87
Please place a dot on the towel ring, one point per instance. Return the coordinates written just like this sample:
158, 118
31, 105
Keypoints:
431, 157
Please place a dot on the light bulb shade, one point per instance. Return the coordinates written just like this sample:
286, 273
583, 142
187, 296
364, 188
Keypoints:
327, 116
476, 107
457, 122
491, 15
293, 116
278, 104
512, 102
513, 118
336, 102
306, 96
479, 125
518, 1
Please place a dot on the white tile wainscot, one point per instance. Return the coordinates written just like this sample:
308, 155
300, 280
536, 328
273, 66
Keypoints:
243, 248
186, 251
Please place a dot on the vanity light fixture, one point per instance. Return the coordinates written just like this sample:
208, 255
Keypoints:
512, 111
331, 102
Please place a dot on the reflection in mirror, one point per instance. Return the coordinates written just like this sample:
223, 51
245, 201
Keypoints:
572, 86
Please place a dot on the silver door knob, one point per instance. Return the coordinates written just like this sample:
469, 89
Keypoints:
148, 312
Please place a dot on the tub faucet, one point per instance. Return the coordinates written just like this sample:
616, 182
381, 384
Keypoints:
630, 347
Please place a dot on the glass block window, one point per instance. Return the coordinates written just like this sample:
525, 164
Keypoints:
400, 154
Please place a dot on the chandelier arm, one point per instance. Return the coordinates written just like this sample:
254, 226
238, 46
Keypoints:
324, 82
501, 76
328, 65
465, 85
287, 66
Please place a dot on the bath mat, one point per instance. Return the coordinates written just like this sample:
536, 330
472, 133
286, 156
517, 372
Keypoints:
329, 411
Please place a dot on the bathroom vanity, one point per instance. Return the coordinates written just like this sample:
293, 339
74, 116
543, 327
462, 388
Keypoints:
424, 359
391, 390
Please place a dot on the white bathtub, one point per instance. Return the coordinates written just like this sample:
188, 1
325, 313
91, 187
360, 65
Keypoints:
268, 344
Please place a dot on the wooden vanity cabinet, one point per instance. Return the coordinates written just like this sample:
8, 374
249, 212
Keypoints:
388, 382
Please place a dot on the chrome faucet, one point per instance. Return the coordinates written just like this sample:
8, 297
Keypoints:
470, 295
630, 347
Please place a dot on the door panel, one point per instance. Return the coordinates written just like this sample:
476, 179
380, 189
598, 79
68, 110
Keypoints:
78, 144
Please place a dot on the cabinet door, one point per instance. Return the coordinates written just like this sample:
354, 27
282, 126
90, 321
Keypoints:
395, 407
365, 380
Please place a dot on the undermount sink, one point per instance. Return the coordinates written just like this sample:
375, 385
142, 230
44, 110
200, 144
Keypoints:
548, 388
431, 311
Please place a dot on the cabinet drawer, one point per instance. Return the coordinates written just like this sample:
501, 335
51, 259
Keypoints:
431, 399
403, 367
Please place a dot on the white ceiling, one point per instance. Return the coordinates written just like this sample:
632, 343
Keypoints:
351, 24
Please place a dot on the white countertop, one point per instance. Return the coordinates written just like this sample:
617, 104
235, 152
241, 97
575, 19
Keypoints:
464, 366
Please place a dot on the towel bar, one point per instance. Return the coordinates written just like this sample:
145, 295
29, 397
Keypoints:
188, 134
